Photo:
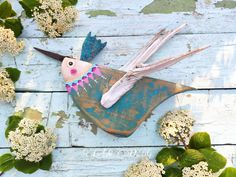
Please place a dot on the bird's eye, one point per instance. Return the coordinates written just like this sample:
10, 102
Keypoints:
70, 64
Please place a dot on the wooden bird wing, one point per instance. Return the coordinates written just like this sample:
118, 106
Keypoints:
137, 69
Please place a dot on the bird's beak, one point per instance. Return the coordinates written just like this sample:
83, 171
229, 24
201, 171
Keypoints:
51, 54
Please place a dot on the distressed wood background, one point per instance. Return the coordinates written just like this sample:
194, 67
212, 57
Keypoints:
83, 150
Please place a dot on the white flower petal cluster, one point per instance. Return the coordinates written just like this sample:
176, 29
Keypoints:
176, 126
53, 19
145, 168
198, 170
30, 145
8, 42
7, 88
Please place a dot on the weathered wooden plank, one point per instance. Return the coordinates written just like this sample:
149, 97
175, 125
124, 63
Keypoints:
57, 114
208, 109
103, 162
39, 101
7, 61
127, 21
213, 110
213, 68
150, 24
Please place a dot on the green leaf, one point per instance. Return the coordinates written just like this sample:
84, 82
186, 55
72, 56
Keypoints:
228, 172
28, 6
1, 23
168, 156
191, 157
46, 163
12, 124
13, 73
200, 140
15, 25
173, 172
6, 162
13, 13
66, 3
26, 166
39, 128
215, 160
6, 10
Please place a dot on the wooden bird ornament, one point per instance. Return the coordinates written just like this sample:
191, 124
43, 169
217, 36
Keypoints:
118, 101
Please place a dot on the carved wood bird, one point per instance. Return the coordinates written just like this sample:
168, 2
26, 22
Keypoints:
118, 101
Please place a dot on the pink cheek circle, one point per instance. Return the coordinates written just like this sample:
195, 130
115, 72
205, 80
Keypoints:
73, 71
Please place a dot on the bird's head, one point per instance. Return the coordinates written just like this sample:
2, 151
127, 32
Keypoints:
73, 69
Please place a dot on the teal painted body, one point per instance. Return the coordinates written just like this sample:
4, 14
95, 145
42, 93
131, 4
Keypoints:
123, 118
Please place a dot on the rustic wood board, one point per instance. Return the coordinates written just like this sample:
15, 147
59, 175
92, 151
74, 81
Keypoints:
213, 68
84, 150
103, 162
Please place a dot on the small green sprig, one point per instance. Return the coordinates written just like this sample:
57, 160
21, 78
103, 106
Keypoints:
9, 19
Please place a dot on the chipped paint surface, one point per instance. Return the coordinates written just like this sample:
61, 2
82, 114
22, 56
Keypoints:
189, 47
95, 13
28, 72
226, 4
169, 6
85, 122
30, 113
62, 118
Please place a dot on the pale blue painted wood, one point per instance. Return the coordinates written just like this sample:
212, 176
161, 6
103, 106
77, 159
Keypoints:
214, 110
102, 162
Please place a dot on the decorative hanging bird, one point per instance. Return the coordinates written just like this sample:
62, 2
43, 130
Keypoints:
118, 101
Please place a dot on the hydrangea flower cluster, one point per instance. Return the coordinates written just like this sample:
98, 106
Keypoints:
176, 126
54, 19
30, 145
145, 168
7, 88
8, 42
198, 170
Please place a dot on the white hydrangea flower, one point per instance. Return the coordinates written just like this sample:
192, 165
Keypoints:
53, 19
176, 126
145, 168
28, 126
198, 170
30, 145
8, 42
7, 88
